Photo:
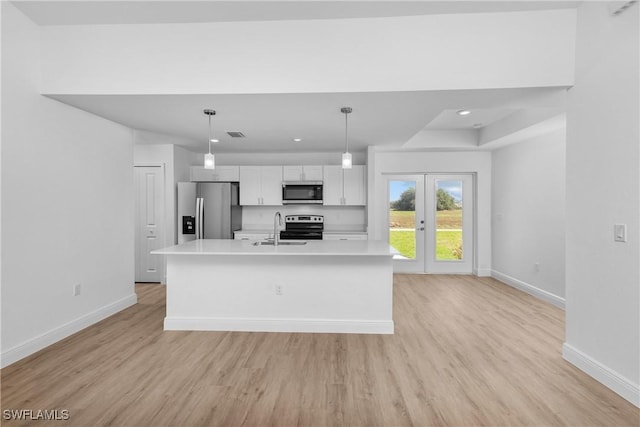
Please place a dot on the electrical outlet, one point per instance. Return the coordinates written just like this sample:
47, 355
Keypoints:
536, 266
77, 288
279, 289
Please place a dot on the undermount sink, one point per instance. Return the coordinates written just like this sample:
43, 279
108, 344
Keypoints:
279, 243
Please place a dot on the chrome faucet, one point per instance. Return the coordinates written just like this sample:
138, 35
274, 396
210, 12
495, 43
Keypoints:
277, 220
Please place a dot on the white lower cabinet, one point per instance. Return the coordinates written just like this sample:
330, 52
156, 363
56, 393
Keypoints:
248, 235
344, 236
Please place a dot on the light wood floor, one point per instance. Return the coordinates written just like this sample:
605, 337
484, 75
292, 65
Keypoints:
466, 351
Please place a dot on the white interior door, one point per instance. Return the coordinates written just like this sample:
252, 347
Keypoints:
405, 222
449, 224
150, 222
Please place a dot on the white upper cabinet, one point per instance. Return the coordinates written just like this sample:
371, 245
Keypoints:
219, 174
355, 188
250, 185
344, 187
302, 173
332, 186
260, 185
272, 185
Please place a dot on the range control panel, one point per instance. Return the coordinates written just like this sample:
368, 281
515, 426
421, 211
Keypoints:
314, 219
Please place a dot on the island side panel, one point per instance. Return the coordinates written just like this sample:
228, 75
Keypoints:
352, 294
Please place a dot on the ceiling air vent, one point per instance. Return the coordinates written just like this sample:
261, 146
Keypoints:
235, 134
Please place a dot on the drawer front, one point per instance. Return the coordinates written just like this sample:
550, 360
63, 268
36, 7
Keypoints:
345, 236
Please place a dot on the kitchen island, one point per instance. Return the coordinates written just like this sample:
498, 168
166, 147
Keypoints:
320, 286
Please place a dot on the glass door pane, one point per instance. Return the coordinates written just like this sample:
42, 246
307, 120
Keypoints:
406, 222
449, 231
449, 220
402, 217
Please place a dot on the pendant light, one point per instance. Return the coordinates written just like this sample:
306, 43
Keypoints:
346, 156
209, 159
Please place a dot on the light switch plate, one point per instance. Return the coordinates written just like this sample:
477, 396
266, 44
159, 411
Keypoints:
620, 232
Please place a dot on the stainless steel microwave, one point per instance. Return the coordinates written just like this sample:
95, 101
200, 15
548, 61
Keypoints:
301, 192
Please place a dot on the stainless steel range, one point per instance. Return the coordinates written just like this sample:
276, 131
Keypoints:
303, 227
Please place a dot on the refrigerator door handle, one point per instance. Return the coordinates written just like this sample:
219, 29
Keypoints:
201, 213
197, 218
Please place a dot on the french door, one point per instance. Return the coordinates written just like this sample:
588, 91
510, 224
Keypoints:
430, 222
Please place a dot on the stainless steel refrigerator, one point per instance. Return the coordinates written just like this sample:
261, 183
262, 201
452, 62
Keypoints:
208, 210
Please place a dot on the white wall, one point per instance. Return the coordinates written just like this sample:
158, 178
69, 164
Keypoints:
275, 159
176, 161
336, 218
67, 206
603, 189
526, 49
528, 216
478, 162
182, 161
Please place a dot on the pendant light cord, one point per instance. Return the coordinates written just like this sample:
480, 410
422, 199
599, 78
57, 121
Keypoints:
346, 132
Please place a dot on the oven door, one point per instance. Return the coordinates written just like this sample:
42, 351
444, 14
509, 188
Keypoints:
301, 235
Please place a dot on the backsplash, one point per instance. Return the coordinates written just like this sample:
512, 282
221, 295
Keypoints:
336, 218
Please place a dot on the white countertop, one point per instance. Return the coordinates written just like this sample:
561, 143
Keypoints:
313, 247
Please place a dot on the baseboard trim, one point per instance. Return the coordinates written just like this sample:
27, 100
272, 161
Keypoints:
39, 342
278, 325
610, 378
482, 272
530, 289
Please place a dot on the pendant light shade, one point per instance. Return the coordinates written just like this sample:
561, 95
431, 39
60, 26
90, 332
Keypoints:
209, 161
209, 158
346, 156
346, 160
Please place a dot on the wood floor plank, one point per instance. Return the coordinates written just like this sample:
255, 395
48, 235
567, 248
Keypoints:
466, 351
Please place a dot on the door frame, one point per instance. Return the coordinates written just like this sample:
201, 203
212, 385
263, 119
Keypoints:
387, 176
163, 262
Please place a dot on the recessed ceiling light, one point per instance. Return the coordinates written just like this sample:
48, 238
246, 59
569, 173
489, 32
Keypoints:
215, 140
297, 139
463, 112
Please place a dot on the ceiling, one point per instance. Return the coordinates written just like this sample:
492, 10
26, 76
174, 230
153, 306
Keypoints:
90, 12
270, 122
